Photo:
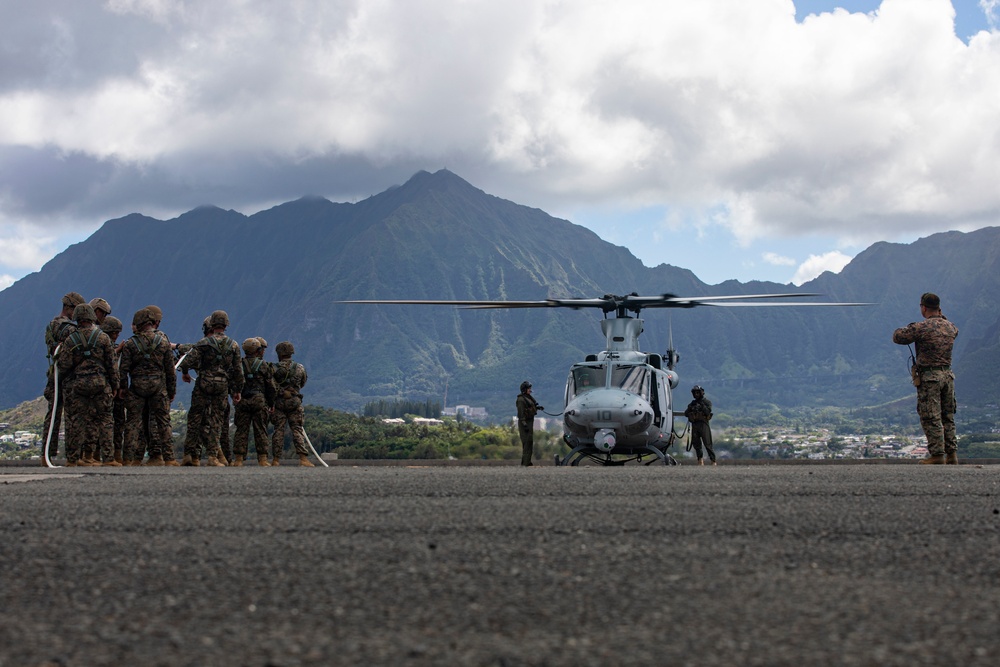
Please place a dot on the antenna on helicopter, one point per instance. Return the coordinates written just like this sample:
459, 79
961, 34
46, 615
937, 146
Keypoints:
672, 355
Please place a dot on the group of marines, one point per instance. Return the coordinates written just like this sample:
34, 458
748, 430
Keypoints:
117, 396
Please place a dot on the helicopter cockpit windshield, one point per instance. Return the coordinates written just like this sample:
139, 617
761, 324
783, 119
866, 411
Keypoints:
631, 378
584, 379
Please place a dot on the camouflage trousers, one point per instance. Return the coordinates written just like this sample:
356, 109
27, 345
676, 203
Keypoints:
89, 424
936, 406
225, 444
118, 432
56, 408
701, 436
251, 412
147, 414
288, 412
205, 424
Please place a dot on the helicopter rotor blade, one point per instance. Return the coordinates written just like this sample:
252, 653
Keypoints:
548, 303
609, 302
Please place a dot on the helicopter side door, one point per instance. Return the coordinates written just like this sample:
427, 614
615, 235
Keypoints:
659, 398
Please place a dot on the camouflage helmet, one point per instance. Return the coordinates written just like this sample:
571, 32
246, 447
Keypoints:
111, 325
697, 388
72, 299
100, 304
284, 349
251, 345
157, 313
142, 317
206, 325
263, 343
84, 313
525, 386
218, 318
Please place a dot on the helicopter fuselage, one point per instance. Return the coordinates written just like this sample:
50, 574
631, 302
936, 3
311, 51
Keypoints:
619, 402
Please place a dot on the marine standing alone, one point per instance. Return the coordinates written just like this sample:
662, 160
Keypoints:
699, 413
527, 408
934, 338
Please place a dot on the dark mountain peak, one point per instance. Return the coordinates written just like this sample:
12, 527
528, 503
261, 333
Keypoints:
208, 212
439, 181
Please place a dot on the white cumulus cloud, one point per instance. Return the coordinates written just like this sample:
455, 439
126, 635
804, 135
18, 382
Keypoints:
866, 125
774, 259
832, 261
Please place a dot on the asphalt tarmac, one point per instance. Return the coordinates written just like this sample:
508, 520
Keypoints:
735, 565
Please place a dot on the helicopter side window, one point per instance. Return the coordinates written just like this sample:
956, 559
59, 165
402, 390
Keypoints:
631, 378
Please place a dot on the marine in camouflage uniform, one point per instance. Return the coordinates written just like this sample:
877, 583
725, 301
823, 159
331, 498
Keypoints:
699, 413
934, 338
113, 327
55, 333
216, 359
289, 378
527, 408
146, 435
87, 363
256, 400
147, 363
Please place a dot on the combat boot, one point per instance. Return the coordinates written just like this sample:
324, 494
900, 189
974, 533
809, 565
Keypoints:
118, 457
275, 462
154, 460
262, 461
237, 462
212, 461
88, 459
187, 461
951, 458
171, 462
934, 459
112, 463
304, 461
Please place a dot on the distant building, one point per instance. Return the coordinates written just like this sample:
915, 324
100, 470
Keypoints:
466, 411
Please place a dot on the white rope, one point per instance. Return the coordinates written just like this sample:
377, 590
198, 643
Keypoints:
309, 442
55, 404
177, 366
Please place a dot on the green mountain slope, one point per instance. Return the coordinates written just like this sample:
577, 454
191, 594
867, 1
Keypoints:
280, 272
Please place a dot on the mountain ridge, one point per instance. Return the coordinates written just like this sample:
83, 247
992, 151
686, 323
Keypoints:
280, 273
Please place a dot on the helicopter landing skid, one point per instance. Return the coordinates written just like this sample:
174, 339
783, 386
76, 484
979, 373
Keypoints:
607, 459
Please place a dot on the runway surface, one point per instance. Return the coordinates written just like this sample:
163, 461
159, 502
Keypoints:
747, 565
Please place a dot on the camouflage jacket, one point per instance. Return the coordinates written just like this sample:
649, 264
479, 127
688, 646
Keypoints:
88, 352
699, 410
215, 357
934, 337
56, 332
146, 356
289, 377
258, 379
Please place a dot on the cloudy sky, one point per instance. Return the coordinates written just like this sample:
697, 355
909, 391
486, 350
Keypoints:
761, 139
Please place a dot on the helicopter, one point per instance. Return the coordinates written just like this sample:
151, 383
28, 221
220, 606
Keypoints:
619, 402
